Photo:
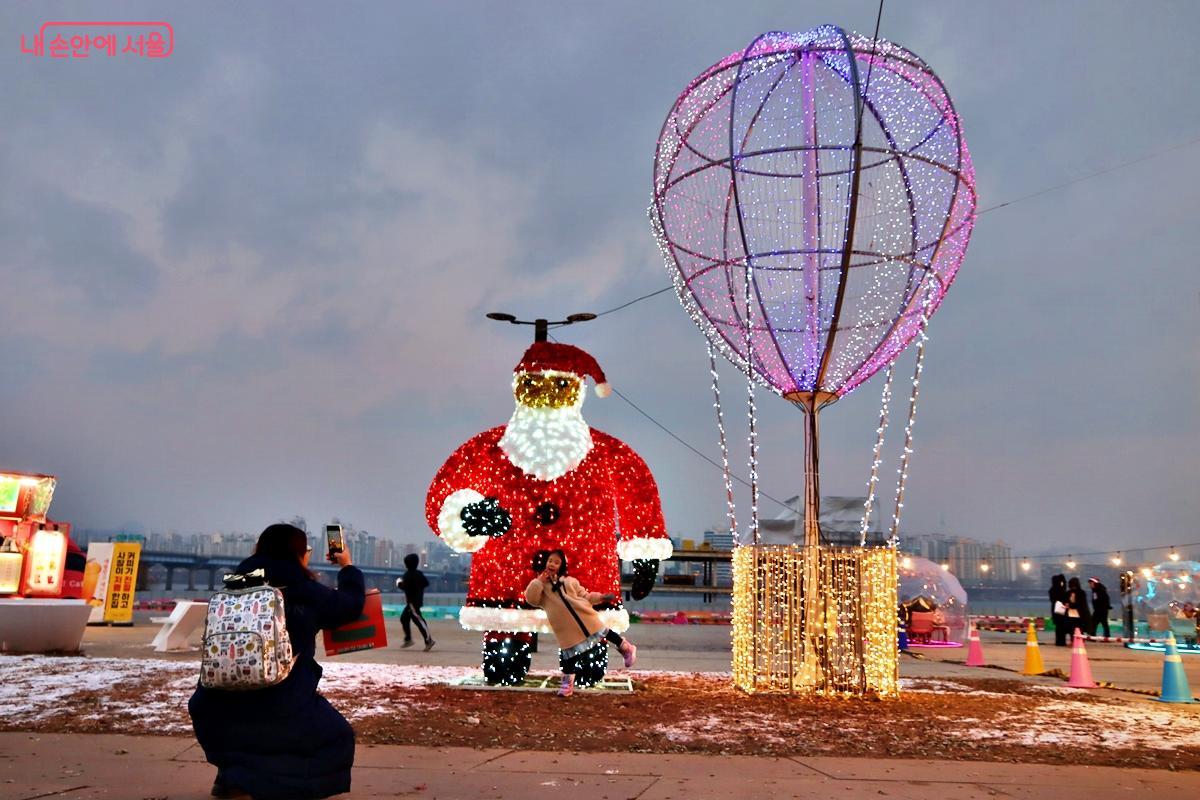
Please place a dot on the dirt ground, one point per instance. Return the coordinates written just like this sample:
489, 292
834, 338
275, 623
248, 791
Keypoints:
699, 713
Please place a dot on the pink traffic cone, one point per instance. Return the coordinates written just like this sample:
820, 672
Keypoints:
974, 649
1081, 670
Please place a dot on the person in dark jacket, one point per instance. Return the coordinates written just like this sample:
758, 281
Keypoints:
285, 742
1078, 615
1058, 609
414, 583
1101, 605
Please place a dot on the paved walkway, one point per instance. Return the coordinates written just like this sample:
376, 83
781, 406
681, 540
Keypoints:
77, 766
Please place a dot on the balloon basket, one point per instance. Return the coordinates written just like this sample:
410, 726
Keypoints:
839, 640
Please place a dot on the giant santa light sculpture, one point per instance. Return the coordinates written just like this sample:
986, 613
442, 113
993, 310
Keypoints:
544, 481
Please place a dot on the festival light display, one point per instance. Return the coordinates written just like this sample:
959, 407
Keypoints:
922, 579
1168, 598
545, 481
849, 648
813, 201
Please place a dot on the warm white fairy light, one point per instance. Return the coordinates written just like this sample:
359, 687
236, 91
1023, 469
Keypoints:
1025, 565
1173, 555
1116, 560
730, 509
770, 606
877, 455
1070, 562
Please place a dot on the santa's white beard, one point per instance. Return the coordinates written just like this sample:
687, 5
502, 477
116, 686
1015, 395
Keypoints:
546, 443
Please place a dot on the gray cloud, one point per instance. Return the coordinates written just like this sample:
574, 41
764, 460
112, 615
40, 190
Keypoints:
266, 258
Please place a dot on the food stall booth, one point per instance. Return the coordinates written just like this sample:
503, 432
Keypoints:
41, 571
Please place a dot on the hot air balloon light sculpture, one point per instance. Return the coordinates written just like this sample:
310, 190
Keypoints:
813, 200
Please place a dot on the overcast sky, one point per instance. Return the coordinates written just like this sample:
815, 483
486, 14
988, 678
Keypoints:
248, 281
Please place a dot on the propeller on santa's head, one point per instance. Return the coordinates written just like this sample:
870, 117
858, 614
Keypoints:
544, 355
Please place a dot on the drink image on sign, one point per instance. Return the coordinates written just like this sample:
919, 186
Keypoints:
335, 539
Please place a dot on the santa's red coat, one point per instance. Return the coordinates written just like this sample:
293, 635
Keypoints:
609, 495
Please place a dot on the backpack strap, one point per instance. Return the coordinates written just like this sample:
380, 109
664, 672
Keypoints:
558, 590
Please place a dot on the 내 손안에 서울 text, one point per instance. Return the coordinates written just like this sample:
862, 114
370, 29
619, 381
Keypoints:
109, 39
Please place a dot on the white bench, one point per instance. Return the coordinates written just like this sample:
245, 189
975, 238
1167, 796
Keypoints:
179, 627
33, 625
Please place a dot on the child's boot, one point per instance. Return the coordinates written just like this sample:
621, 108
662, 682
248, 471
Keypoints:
629, 650
568, 686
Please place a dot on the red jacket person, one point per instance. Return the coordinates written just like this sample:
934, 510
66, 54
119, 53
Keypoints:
545, 481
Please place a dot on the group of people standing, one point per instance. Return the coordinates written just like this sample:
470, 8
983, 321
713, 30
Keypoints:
1071, 610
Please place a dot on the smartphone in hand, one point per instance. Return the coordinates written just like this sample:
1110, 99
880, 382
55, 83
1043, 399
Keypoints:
335, 539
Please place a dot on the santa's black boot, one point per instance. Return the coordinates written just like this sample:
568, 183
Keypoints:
506, 657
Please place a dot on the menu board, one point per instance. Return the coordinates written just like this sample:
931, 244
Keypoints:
10, 490
44, 563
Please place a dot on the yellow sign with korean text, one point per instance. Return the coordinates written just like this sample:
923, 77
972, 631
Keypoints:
122, 580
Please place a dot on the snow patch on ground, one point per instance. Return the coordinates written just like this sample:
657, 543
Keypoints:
1108, 724
40, 688
715, 728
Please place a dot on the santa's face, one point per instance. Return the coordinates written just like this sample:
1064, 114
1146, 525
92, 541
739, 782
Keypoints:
547, 436
547, 390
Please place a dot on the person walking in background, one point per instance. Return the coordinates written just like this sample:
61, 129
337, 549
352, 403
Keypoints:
414, 583
1058, 609
1101, 605
285, 742
1078, 615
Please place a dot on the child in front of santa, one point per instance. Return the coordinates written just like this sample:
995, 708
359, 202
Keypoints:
582, 637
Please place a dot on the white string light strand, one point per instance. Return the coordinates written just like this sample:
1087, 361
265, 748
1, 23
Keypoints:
877, 459
751, 413
712, 368
926, 304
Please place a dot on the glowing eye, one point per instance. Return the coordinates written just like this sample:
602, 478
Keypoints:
562, 383
528, 381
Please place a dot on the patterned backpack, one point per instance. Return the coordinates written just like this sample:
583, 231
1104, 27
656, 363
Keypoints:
246, 643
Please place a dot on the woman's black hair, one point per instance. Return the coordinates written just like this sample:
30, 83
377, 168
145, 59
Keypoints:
282, 541
542, 556
1074, 584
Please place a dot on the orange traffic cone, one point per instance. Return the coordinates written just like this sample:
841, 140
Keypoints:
1033, 656
1081, 670
974, 649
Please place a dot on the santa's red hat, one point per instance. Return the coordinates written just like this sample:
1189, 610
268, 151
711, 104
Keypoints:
563, 358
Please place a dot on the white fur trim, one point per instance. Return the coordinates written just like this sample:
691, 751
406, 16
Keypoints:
603, 389
629, 549
529, 620
546, 443
450, 522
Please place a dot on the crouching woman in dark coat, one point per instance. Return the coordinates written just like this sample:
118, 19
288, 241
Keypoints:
285, 741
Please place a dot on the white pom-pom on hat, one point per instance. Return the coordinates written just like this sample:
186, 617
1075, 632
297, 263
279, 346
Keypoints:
603, 389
